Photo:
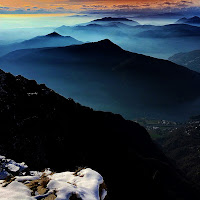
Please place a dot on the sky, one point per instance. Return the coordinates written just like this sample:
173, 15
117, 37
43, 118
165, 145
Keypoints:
53, 13
87, 6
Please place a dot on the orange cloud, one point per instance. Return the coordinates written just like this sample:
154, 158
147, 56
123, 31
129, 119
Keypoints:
101, 4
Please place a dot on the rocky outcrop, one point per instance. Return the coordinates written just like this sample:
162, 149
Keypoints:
9, 168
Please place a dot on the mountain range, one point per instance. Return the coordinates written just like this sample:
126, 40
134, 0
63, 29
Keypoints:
190, 60
43, 129
106, 77
171, 30
144, 39
94, 31
51, 40
193, 20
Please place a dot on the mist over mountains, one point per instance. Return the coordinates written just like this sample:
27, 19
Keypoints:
171, 30
144, 39
98, 76
50, 40
106, 77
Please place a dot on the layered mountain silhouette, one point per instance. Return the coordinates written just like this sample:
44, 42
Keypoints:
106, 77
94, 31
193, 20
144, 39
170, 31
43, 129
108, 27
51, 40
190, 60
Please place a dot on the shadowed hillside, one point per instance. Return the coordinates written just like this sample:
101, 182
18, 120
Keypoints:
182, 144
190, 60
106, 77
43, 129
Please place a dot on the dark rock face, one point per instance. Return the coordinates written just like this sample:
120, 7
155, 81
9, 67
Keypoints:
44, 129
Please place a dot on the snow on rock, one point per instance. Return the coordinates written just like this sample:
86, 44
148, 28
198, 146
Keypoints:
9, 167
15, 190
84, 184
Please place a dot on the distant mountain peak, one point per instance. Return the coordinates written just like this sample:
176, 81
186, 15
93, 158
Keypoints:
112, 19
195, 17
192, 20
54, 34
115, 19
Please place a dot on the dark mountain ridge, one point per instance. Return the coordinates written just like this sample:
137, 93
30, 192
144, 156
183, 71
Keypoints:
43, 129
130, 80
105, 47
192, 20
144, 39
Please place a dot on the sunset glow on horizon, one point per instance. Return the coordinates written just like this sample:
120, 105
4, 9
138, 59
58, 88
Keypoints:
35, 15
65, 6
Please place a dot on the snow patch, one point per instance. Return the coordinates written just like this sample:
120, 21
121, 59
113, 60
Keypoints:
85, 183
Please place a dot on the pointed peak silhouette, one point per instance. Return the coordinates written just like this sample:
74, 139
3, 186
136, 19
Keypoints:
54, 34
